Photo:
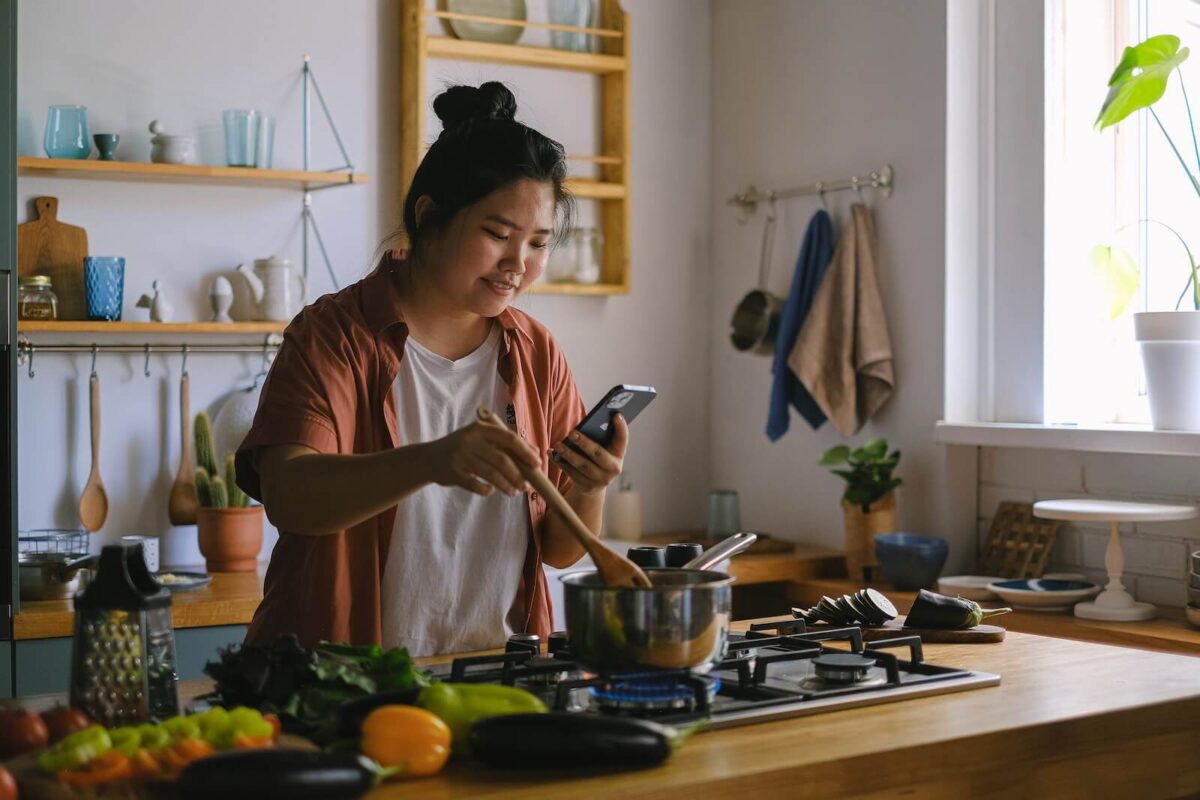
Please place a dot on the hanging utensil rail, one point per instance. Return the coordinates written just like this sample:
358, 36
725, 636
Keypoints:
27, 350
883, 180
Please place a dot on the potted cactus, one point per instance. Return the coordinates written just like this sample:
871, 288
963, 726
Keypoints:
230, 528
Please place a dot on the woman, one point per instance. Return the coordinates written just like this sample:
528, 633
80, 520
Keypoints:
402, 519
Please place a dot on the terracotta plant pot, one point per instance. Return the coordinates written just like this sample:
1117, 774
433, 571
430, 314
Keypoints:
230, 538
861, 564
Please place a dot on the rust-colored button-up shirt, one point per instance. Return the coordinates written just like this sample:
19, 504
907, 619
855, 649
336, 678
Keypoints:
331, 389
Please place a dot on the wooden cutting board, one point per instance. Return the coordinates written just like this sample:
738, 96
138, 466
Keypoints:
46, 246
980, 634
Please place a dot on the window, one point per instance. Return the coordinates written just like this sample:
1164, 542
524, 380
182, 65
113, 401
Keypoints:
1122, 187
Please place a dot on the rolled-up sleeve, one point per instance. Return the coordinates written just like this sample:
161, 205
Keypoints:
302, 400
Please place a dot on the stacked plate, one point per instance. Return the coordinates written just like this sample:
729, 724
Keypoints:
1043, 594
866, 607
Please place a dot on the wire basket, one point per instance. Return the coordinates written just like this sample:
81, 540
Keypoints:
52, 540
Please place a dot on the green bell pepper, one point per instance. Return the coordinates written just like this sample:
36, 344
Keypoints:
75, 750
154, 737
126, 740
461, 705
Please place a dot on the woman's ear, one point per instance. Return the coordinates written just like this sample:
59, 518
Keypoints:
423, 209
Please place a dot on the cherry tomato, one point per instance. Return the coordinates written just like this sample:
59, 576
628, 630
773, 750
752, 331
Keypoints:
8, 786
62, 721
21, 731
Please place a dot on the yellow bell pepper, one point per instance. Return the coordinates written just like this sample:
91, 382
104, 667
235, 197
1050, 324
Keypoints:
411, 739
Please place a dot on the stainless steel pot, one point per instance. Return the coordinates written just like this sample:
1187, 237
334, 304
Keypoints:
680, 622
51, 576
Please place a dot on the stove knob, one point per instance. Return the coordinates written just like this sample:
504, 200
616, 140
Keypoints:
557, 643
681, 553
523, 642
648, 556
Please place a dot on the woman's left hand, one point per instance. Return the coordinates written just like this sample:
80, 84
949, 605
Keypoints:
593, 473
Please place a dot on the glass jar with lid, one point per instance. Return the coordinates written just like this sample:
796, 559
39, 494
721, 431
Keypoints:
36, 298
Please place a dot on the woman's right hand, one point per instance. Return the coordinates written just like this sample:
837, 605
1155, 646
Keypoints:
481, 458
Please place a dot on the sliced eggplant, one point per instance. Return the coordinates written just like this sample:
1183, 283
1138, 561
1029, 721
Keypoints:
565, 740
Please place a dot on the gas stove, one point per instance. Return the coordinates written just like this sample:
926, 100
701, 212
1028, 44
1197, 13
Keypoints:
775, 670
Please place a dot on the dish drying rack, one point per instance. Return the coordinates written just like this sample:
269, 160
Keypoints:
52, 540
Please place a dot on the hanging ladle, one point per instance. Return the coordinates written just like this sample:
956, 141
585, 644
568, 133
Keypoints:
755, 321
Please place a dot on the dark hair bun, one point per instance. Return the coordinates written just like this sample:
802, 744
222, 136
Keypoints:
460, 104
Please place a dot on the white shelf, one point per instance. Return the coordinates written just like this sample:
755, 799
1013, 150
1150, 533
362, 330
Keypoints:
1097, 439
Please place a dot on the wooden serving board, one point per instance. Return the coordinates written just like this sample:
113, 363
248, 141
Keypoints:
46, 246
980, 634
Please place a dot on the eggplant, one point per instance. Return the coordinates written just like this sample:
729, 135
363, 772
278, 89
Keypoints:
937, 611
565, 740
350, 714
279, 774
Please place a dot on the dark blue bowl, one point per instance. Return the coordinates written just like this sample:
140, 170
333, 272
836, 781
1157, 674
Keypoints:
910, 561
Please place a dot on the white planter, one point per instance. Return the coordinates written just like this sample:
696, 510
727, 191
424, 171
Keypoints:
1170, 345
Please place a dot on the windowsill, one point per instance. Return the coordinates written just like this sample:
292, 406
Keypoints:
1101, 438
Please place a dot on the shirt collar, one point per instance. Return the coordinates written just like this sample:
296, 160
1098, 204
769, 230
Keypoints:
382, 308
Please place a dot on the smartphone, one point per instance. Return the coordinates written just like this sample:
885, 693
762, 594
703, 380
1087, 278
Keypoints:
597, 425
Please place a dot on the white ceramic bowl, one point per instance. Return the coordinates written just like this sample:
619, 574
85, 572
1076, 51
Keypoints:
1193, 614
1043, 595
971, 587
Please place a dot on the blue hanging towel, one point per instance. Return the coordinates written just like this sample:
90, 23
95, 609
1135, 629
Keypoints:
815, 255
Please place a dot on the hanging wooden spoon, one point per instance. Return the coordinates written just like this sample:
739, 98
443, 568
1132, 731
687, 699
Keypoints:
181, 508
93, 503
614, 568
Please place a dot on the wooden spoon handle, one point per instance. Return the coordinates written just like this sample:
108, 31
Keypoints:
94, 387
611, 566
185, 418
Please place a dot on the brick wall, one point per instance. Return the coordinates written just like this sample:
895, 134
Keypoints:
1156, 554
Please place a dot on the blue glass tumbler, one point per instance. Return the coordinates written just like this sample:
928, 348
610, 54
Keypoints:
241, 137
104, 287
67, 134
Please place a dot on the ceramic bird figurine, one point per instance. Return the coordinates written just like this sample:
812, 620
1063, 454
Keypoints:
160, 309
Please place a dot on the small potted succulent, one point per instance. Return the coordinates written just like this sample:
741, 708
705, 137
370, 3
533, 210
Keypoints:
230, 528
1169, 340
869, 502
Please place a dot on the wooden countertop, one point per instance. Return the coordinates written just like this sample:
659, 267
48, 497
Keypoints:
230, 599
1168, 633
1070, 719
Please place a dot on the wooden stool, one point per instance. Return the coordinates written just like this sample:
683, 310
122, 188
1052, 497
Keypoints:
1114, 604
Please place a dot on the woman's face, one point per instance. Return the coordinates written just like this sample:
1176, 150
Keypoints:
493, 250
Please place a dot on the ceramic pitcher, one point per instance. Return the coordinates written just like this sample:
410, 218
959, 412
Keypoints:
278, 288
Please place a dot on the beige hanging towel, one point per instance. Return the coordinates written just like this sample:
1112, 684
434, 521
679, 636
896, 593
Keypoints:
843, 354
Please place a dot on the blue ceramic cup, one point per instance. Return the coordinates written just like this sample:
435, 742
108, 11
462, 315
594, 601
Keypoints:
104, 287
910, 561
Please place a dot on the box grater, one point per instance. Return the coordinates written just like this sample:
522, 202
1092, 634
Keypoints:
123, 662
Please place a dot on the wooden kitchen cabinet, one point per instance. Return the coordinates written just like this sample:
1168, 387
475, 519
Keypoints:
43, 666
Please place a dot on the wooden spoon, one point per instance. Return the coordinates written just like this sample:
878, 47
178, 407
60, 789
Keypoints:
614, 568
93, 503
181, 508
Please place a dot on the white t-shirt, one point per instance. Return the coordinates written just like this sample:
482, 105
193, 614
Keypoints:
455, 559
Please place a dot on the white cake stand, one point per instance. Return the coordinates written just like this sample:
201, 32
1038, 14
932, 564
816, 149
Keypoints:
1114, 604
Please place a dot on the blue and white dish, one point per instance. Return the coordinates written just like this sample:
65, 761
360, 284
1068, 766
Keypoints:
1036, 594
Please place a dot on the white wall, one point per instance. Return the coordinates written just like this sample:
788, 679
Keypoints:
131, 62
815, 90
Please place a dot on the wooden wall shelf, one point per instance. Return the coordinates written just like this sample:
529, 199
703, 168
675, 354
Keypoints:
184, 173
611, 66
87, 326
517, 55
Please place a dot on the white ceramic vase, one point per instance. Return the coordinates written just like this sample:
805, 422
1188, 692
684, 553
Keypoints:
1170, 345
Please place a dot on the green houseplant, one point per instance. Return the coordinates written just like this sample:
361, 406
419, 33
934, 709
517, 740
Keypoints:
868, 502
230, 529
1169, 340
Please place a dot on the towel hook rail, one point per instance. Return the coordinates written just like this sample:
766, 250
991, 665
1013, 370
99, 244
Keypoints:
882, 180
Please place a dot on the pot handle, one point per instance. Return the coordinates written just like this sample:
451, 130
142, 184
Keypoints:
714, 555
68, 569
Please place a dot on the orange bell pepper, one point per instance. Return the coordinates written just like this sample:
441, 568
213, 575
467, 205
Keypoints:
184, 752
112, 765
244, 742
273, 719
145, 765
406, 737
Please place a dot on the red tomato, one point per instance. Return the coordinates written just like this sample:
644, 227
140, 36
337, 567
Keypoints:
8, 786
62, 721
20, 732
